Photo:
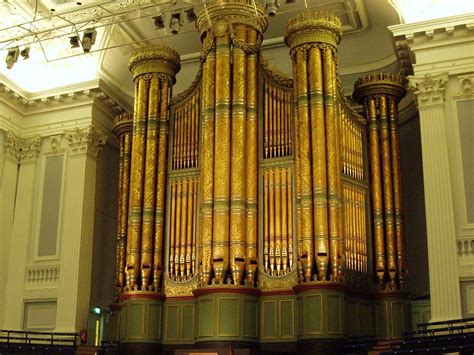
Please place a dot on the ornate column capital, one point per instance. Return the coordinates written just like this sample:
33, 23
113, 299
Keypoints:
87, 140
12, 146
21, 149
429, 89
379, 84
123, 124
313, 27
158, 59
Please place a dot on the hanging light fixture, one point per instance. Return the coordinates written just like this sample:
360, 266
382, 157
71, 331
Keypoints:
12, 57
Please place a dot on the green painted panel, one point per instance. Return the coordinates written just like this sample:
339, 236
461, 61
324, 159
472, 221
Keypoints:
206, 318
287, 319
334, 314
123, 322
269, 319
172, 322
365, 319
313, 319
250, 318
187, 323
352, 320
154, 321
381, 318
300, 312
229, 317
398, 320
135, 321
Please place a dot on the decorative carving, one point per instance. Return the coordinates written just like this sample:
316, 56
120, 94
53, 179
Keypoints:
56, 142
313, 27
176, 288
189, 91
123, 123
379, 84
158, 59
235, 12
429, 89
466, 82
357, 280
42, 274
12, 146
286, 282
29, 149
86, 140
274, 75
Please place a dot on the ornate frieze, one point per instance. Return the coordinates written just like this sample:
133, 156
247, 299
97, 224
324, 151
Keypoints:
86, 140
429, 89
12, 146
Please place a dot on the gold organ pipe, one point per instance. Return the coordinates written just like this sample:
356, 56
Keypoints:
120, 216
280, 123
149, 181
284, 137
193, 131
136, 185
299, 228
184, 227
265, 120
177, 248
251, 153
331, 132
341, 243
173, 228
238, 187
277, 216
193, 231
319, 174
271, 127
290, 217
189, 228
388, 191
124, 205
305, 166
177, 137
284, 220
376, 192
266, 220
271, 217
161, 182
207, 167
220, 247
397, 191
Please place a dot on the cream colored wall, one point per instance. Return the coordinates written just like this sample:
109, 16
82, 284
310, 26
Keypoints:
444, 75
51, 291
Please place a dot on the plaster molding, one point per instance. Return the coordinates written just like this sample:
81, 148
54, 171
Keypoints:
466, 83
87, 140
55, 142
428, 89
12, 146
30, 148
21, 149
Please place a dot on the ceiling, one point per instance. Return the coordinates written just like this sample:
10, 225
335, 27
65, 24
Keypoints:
123, 26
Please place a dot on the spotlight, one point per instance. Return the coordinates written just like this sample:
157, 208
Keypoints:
74, 40
175, 23
158, 21
190, 15
12, 57
88, 39
272, 7
25, 53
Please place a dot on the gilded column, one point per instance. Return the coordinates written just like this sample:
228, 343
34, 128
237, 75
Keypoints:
313, 41
123, 130
228, 229
153, 72
380, 95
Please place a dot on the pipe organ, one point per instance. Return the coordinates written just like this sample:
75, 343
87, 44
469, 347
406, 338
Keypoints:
251, 189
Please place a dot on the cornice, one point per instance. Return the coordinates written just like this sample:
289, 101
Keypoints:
32, 103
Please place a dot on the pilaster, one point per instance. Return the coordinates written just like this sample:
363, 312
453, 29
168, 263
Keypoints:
77, 228
22, 151
440, 223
